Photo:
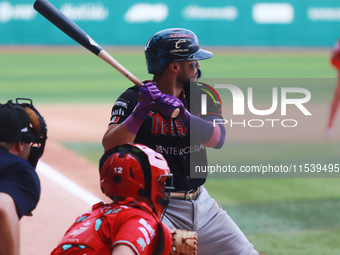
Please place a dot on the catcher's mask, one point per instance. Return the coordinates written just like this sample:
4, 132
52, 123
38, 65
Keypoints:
170, 45
135, 170
21, 122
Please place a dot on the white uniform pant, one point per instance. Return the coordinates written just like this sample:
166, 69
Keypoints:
217, 232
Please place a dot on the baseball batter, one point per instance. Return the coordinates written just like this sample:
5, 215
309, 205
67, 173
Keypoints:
134, 177
143, 116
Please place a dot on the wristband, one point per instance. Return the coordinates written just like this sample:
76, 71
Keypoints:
133, 124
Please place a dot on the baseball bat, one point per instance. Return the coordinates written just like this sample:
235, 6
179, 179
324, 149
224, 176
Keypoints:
57, 18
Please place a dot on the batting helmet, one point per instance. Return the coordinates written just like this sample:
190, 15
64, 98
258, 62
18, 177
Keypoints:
135, 170
170, 45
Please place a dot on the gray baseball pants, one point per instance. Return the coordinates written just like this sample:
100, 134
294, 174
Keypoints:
217, 232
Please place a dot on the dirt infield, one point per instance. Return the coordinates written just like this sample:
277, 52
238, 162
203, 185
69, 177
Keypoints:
58, 208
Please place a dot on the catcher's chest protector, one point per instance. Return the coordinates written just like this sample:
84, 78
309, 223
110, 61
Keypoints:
83, 235
93, 231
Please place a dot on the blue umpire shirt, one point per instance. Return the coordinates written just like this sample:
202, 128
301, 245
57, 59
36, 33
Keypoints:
19, 180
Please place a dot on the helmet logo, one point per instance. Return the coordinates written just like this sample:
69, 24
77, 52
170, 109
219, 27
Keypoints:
178, 47
179, 41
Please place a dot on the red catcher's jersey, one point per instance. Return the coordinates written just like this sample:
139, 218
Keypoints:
96, 232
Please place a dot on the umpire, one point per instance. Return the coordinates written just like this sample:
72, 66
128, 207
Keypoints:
22, 141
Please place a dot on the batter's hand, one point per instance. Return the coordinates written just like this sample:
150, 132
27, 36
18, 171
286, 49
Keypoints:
183, 242
147, 96
168, 103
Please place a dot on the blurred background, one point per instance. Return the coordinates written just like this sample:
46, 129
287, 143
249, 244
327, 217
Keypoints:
220, 23
250, 39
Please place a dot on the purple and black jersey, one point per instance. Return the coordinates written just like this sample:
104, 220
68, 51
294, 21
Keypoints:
169, 136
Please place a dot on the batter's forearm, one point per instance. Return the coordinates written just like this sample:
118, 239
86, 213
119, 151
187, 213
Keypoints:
206, 133
117, 134
202, 129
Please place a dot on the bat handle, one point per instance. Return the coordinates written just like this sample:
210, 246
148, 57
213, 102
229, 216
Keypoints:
115, 64
111, 61
175, 113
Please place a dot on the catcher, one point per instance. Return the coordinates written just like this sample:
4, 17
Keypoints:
134, 177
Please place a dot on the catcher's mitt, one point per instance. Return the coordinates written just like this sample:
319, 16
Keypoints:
183, 242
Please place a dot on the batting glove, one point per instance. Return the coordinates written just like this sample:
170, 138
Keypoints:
168, 103
147, 96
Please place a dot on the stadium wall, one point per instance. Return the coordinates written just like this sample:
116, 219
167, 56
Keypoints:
313, 23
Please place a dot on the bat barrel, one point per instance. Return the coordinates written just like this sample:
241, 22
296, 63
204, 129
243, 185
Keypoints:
56, 17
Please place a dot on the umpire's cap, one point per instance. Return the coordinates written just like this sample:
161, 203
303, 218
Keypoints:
21, 122
170, 45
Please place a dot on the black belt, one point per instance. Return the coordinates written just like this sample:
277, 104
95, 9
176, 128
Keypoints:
188, 196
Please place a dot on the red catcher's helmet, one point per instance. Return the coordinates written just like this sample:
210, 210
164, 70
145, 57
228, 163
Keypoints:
135, 170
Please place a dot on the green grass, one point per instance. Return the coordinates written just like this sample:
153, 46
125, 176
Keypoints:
298, 243
268, 65
258, 191
287, 216
90, 151
279, 215
65, 77
79, 76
